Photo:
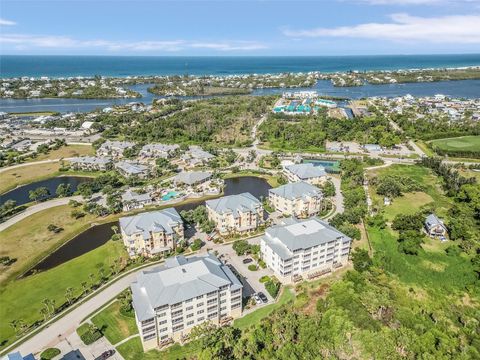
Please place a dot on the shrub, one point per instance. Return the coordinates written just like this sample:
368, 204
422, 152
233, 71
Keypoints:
89, 333
197, 244
49, 353
264, 279
272, 288
77, 214
252, 267
453, 250
241, 247
262, 264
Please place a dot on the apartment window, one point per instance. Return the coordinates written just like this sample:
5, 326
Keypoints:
147, 322
223, 301
148, 329
177, 305
210, 294
177, 321
211, 308
160, 308
200, 304
163, 329
201, 319
223, 308
212, 301
236, 298
237, 305
189, 316
199, 297
164, 337
235, 291
162, 322
149, 337
190, 323
212, 315
189, 300
177, 328
224, 287
176, 313
189, 308
162, 314
200, 312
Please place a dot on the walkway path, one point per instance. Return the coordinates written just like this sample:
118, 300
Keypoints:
36, 208
28, 164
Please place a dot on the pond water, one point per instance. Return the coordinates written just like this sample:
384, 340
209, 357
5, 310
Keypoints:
459, 88
20, 194
100, 234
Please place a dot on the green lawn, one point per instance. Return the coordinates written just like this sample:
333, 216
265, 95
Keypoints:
22, 299
132, 350
254, 317
410, 203
463, 143
114, 325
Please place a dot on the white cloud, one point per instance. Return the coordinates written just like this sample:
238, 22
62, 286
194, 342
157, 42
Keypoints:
65, 42
5, 22
463, 29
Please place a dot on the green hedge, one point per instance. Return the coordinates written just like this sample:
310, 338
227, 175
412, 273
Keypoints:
273, 288
49, 353
89, 333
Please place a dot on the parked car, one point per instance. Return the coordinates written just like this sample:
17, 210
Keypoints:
262, 296
247, 261
106, 354
257, 299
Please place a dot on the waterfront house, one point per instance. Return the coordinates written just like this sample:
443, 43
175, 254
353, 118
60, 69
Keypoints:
299, 199
183, 293
192, 178
152, 233
235, 213
435, 227
133, 200
305, 172
130, 168
304, 248
91, 163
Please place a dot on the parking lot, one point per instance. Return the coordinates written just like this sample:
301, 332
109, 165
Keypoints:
250, 279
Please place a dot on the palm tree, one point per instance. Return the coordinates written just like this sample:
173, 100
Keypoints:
114, 228
84, 287
14, 325
47, 303
69, 295
44, 313
92, 278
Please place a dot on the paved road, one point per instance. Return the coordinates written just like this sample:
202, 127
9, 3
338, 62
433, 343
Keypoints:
36, 208
28, 164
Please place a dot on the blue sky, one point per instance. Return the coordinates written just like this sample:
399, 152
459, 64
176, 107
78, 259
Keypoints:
156, 27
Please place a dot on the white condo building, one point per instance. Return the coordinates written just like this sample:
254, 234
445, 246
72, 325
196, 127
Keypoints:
305, 172
185, 292
304, 248
299, 199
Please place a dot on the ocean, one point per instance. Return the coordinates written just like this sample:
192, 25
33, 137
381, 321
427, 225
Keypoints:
122, 66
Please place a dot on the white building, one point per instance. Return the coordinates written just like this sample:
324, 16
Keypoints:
130, 168
158, 150
133, 200
91, 163
307, 248
235, 213
196, 156
151, 233
305, 172
299, 199
185, 292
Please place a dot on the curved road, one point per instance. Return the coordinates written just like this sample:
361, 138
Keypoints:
36, 208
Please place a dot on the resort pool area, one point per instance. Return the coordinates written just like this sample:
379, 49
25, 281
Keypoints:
330, 166
170, 195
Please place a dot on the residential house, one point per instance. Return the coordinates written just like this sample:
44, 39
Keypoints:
130, 168
114, 148
299, 199
435, 227
185, 292
158, 150
196, 156
91, 163
133, 200
309, 248
192, 178
152, 233
235, 213
305, 172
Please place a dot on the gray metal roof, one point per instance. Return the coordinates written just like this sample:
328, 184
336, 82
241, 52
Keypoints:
120, 145
306, 171
154, 221
234, 204
152, 148
300, 234
192, 177
296, 190
91, 160
178, 280
432, 220
131, 168
131, 195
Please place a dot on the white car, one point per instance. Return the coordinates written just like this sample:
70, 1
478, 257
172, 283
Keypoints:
257, 299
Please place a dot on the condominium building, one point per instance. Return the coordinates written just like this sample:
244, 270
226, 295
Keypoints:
91, 163
306, 172
298, 199
172, 299
235, 213
114, 148
304, 248
158, 150
152, 233
131, 168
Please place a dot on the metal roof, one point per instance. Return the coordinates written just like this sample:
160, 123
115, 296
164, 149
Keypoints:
296, 190
154, 221
178, 280
234, 204
192, 177
306, 171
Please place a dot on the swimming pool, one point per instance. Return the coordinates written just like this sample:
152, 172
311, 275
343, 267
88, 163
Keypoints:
330, 166
169, 196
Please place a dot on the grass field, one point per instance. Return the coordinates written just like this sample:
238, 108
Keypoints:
29, 240
133, 350
22, 299
114, 325
66, 151
463, 143
12, 178
410, 203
